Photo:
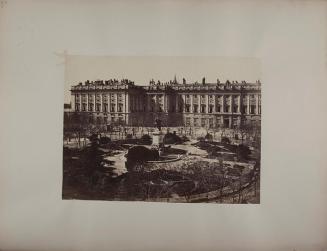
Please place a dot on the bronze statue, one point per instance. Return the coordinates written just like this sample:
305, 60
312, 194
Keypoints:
158, 124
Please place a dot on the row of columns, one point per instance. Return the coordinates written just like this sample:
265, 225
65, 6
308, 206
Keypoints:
138, 104
101, 102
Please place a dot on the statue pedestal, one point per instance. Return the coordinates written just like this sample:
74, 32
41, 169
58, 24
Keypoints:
157, 139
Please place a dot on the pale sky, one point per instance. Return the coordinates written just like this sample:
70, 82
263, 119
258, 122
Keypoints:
163, 68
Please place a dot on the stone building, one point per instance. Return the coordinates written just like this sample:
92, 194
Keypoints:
209, 105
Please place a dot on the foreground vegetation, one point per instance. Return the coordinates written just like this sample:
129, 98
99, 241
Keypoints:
88, 175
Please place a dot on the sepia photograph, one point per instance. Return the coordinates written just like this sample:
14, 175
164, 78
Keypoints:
177, 125
164, 134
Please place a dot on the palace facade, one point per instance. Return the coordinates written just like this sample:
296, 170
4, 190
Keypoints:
209, 105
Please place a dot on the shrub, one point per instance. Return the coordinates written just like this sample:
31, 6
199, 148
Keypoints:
146, 139
139, 154
243, 152
104, 140
94, 138
208, 137
225, 140
184, 138
200, 138
172, 138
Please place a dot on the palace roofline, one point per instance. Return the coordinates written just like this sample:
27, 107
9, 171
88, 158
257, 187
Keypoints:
172, 83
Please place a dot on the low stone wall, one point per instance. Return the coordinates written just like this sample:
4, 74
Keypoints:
168, 160
173, 164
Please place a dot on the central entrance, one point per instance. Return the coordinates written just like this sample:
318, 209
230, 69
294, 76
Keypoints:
226, 122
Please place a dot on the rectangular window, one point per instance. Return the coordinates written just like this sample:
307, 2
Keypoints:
187, 99
91, 107
203, 122
83, 107
195, 122
187, 108
105, 107
203, 99
235, 108
218, 108
152, 105
235, 122
218, 121
210, 108
112, 107
203, 108
210, 122
77, 107
244, 109
188, 121
252, 109
120, 107
195, 108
